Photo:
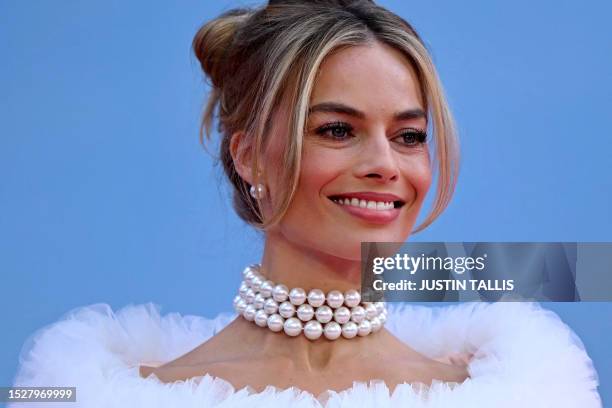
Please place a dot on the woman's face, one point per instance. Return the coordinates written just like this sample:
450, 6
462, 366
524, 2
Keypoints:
364, 140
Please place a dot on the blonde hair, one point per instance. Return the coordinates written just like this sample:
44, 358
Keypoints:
255, 56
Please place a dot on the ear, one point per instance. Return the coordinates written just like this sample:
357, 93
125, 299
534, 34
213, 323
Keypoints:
241, 154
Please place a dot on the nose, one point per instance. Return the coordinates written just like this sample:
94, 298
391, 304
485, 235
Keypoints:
377, 159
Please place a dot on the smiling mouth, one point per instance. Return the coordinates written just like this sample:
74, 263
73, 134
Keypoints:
367, 204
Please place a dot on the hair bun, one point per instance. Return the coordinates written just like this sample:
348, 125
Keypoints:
338, 3
212, 41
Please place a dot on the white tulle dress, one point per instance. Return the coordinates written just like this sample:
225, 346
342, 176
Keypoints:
524, 356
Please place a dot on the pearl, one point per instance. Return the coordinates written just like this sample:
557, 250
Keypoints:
352, 298
332, 330
314, 312
256, 282
241, 306
259, 300
316, 297
248, 271
324, 314
249, 296
335, 298
358, 313
375, 323
365, 328
286, 310
349, 330
280, 293
305, 312
249, 278
297, 296
249, 313
258, 191
313, 330
266, 288
270, 306
275, 322
342, 315
243, 289
370, 310
293, 326
261, 318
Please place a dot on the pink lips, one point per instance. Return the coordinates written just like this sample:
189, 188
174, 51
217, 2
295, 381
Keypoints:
370, 215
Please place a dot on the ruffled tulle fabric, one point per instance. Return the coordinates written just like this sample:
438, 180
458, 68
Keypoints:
524, 356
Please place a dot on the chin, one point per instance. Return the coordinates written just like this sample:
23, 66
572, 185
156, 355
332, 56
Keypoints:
351, 250
378, 235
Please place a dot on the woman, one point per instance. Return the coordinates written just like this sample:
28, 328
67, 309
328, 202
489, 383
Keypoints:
326, 110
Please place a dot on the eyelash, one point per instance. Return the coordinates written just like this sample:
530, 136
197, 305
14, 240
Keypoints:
420, 136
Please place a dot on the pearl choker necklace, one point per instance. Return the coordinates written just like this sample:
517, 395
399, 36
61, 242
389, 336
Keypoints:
276, 307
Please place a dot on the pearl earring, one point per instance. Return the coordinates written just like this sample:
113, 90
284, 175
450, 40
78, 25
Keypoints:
258, 191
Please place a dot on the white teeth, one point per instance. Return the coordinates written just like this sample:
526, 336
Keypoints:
370, 205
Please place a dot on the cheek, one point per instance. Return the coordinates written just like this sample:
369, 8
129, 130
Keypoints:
318, 167
417, 172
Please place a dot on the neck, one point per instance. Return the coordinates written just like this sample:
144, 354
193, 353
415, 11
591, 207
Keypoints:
297, 266
302, 353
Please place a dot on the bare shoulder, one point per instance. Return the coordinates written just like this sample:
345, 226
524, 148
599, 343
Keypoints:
401, 363
171, 373
254, 373
209, 357
226, 357
216, 357
195, 363
182, 368
415, 369
429, 370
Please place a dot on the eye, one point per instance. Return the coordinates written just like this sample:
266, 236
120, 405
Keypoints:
335, 130
341, 131
414, 137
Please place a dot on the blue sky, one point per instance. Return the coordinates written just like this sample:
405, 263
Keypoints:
106, 195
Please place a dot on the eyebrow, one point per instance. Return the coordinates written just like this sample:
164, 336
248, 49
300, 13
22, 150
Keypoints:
336, 107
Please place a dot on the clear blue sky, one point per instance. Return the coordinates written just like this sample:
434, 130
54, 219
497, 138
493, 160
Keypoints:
106, 195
